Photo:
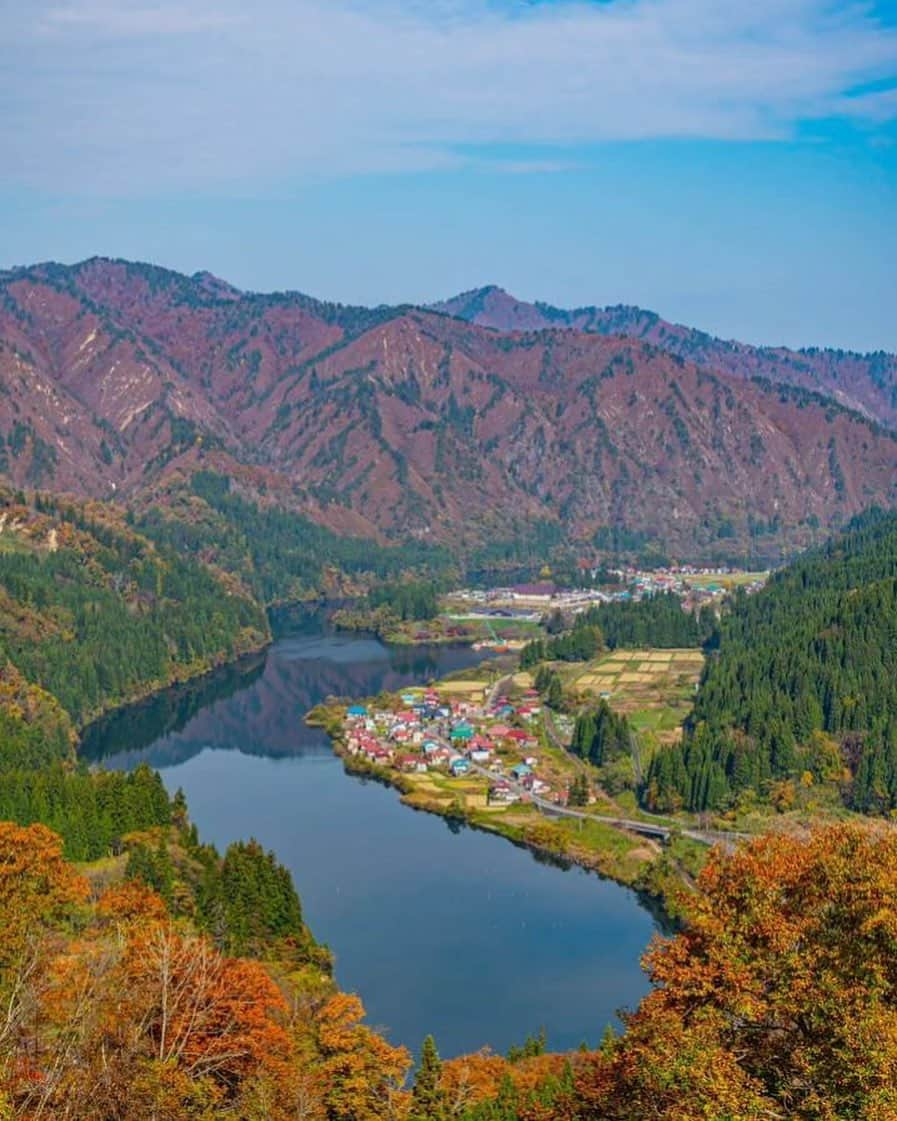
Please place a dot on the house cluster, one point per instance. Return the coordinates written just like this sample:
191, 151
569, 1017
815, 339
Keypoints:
694, 585
430, 732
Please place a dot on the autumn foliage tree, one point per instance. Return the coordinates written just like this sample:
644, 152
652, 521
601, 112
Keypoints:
113, 1011
364, 1074
779, 1000
37, 886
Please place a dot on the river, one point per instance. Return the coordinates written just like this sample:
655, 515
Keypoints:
438, 929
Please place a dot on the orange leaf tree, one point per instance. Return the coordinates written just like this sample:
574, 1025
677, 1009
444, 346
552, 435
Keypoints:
780, 997
363, 1073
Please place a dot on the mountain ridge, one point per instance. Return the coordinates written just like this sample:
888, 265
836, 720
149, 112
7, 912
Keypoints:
122, 379
829, 369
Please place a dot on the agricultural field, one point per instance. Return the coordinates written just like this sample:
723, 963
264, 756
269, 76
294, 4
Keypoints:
727, 580
654, 688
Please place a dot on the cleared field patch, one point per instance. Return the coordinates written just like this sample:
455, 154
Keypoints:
654, 688
462, 687
726, 579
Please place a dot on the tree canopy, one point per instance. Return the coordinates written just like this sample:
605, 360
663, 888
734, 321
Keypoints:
811, 653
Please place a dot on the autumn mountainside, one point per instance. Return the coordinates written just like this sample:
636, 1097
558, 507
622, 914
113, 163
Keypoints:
400, 422
866, 383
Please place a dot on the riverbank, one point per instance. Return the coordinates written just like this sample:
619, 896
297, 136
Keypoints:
384, 624
248, 643
372, 874
472, 798
441, 630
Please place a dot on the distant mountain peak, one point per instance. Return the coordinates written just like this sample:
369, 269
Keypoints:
215, 286
125, 377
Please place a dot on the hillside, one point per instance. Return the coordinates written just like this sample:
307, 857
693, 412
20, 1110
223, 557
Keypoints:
95, 615
866, 383
802, 690
122, 379
178, 984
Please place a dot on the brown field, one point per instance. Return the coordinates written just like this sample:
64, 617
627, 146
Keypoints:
462, 687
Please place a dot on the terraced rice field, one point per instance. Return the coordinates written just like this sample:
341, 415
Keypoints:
653, 687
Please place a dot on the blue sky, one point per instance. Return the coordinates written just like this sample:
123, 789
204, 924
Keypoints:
730, 165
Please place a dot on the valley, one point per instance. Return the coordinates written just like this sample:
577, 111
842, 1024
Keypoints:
564, 534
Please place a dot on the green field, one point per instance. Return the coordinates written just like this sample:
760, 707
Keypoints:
654, 688
727, 580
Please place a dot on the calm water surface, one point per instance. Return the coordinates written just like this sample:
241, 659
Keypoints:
451, 931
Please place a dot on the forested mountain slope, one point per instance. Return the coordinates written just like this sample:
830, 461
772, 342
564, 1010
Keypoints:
803, 683
864, 382
94, 614
123, 379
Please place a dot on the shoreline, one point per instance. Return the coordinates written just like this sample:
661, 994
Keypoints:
659, 895
156, 689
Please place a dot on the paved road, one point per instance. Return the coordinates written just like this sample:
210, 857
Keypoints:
633, 825
645, 828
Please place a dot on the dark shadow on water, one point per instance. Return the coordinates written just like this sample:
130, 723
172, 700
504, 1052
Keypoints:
257, 705
137, 726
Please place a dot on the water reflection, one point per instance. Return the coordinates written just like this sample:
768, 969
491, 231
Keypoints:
257, 706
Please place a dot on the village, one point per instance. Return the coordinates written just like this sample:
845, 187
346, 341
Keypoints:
482, 746
494, 738
488, 740
528, 603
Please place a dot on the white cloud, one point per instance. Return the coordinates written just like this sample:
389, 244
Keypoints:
123, 97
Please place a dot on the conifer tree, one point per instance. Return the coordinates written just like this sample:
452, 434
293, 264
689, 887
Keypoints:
428, 1101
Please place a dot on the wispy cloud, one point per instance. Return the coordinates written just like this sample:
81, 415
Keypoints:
124, 97
121, 21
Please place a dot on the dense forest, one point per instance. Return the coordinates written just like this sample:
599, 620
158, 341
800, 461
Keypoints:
601, 735
97, 615
245, 903
654, 621
90, 811
408, 600
278, 554
577, 645
657, 621
803, 686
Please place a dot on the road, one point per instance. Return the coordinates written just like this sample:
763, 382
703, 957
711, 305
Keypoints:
647, 828
633, 825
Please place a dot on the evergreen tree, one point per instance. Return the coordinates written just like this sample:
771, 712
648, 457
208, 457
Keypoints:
809, 655
428, 1100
